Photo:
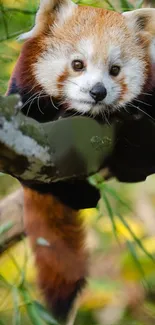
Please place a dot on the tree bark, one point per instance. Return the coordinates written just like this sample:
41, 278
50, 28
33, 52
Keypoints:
23, 148
66, 148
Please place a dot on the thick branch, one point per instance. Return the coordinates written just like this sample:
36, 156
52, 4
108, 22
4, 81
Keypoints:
23, 151
57, 150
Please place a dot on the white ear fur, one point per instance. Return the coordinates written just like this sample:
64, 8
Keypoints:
142, 21
46, 8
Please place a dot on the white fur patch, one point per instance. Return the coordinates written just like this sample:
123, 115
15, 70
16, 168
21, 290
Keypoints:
65, 12
114, 55
98, 61
48, 68
77, 89
86, 48
152, 51
46, 7
27, 35
134, 78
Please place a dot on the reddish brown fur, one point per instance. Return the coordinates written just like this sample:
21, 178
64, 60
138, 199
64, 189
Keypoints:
124, 88
68, 32
24, 68
62, 264
61, 79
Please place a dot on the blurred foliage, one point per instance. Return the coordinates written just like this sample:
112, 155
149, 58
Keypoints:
121, 231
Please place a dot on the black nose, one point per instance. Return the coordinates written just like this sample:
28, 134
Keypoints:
98, 92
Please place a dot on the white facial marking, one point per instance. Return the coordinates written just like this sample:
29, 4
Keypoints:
86, 48
77, 89
98, 62
48, 68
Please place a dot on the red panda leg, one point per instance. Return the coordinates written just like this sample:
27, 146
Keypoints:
62, 261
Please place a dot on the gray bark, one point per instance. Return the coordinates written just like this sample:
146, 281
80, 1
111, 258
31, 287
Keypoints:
71, 147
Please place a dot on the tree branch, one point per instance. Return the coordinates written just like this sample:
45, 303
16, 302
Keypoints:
35, 152
72, 147
23, 151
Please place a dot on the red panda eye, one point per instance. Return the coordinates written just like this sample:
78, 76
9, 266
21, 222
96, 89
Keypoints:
115, 70
78, 65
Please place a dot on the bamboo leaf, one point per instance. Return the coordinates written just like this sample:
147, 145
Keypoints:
6, 227
110, 5
30, 307
16, 314
110, 213
137, 240
139, 4
126, 5
117, 197
44, 315
3, 281
133, 253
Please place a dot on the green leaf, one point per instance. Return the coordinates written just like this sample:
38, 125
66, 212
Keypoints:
110, 5
133, 253
6, 227
126, 5
16, 314
110, 213
137, 240
4, 282
44, 315
103, 284
117, 197
30, 306
139, 4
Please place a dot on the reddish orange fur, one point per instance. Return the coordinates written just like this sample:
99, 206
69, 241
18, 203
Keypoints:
61, 79
23, 71
123, 87
63, 263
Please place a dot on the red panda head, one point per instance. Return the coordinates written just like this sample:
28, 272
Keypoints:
90, 59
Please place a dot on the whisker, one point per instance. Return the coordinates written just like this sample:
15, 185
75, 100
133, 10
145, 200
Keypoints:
84, 89
28, 100
145, 113
39, 103
124, 107
53, 103
147, 94
73, 82
105, 117
141, 102
32, 100
30, 90
28, 110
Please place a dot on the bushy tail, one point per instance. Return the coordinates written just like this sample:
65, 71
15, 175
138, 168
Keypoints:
57, 236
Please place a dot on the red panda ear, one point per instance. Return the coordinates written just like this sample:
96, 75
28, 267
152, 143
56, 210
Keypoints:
142, 23
141, 20
47, 12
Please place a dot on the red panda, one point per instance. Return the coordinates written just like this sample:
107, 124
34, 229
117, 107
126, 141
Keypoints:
92, 61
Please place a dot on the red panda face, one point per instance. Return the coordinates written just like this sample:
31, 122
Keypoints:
90, 60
